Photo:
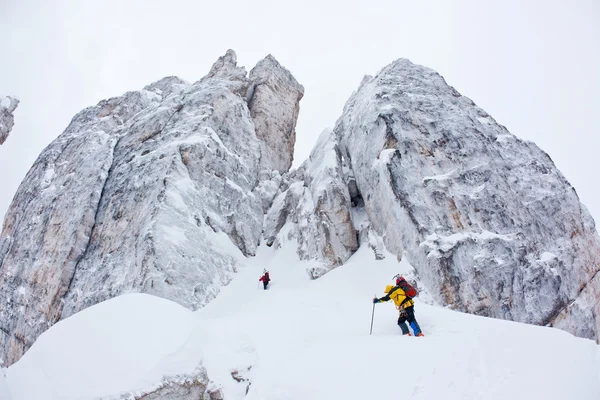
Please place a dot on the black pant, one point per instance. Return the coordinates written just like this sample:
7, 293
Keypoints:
265, 283
408, 315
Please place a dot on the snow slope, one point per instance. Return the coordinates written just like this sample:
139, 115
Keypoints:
302, 339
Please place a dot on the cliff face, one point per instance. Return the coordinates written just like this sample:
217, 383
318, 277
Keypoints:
8, 105
146, 192
487, 220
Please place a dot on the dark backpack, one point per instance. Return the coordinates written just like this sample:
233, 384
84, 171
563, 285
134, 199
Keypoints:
409, 290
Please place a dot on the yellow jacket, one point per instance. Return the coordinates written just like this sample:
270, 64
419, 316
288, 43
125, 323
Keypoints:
397, 294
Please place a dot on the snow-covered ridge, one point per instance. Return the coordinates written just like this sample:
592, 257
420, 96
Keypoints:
8, 105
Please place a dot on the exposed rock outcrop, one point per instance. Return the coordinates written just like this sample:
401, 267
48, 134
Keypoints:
274, 101
8, 105
488, 221
185, 387
314, 209
146, 192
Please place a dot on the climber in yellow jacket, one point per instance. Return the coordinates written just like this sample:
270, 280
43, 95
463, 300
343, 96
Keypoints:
404, 303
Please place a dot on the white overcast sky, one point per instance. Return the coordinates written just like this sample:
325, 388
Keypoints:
533, 65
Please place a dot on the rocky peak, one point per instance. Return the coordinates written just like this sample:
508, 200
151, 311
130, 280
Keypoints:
274, 102
168, 85
269, 70
130, 199
273, 96
490, 224
8, 105
226, 70
226, 66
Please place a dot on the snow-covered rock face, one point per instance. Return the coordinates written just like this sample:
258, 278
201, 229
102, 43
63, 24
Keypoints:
487, 220
148, 192
314, 209
8, 105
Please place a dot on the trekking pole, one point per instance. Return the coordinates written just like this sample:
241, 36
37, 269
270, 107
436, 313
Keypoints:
372, 316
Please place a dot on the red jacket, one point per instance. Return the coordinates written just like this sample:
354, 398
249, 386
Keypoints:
265, 277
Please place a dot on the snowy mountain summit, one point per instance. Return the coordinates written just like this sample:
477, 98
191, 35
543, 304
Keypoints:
168, 190
8, 105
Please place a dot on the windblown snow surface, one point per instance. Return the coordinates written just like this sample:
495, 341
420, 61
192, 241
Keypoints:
302, 339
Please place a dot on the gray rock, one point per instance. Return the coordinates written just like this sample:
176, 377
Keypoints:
8, 105
147, 192
47, 228
274, 102
181, 387
490, 224
226, 70
315, 209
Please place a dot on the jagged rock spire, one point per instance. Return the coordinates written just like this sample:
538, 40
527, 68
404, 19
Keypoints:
274, 104
226, 70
